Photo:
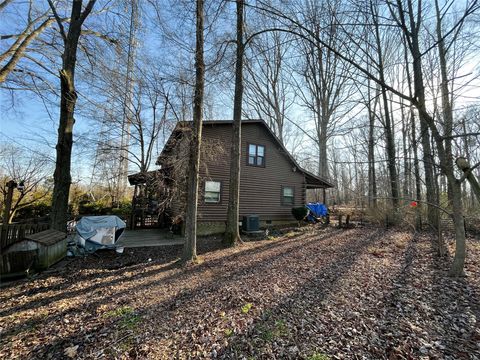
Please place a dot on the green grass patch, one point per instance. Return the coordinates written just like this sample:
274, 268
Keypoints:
318, 356
246, 308
279, 329
126, 316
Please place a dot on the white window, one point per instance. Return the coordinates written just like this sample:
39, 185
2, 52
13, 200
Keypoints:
256, 155
212, 191
287, 195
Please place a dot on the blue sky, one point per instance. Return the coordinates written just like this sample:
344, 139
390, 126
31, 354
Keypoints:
32, 124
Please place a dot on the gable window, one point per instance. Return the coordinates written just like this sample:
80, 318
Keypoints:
212, 191
287, 195
256, 155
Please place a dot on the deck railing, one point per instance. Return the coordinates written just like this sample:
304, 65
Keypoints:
12, 233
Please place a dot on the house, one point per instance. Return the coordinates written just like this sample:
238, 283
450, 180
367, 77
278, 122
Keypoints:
272, 182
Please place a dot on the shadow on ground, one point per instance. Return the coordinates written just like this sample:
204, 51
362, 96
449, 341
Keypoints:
350, 293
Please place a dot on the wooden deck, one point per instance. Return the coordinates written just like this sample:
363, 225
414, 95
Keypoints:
149, 237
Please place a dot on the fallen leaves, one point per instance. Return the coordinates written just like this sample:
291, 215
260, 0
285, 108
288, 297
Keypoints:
322, 294
71, 351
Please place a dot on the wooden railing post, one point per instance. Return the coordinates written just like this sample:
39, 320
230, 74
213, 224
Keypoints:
3, 235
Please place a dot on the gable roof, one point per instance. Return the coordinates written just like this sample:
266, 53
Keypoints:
313, 181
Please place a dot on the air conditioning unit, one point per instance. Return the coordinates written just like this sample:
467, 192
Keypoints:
251, 223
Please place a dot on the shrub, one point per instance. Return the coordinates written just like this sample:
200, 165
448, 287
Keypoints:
124, 208
94, 208
35, 210
385, 215
299, 212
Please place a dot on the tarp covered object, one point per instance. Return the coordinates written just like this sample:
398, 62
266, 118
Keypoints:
316, 210
97, 232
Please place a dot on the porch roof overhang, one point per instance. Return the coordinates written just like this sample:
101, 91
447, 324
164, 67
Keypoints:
313, 181
142, 177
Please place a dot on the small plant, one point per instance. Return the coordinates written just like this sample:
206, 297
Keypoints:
246, 308
278, 330
267, 334
127, 317
318, 356
280, 327
228, 332
299, 213
119, 312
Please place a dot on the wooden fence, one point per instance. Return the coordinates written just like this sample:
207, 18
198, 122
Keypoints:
12, 233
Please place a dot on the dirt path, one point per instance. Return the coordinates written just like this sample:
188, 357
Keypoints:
320, 294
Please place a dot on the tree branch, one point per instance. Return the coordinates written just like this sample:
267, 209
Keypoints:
59, 21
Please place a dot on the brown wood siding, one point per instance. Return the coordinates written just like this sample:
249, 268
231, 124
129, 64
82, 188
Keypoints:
260, 189
179, 159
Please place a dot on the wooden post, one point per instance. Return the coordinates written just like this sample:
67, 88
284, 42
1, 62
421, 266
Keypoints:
11, 185
8, 201
441, 245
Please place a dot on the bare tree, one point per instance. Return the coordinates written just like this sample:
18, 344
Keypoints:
16, 51
404, 15
267, 84
406, 18
190, 247
232, 234
28, 169
326, 79
387, 123
62, 174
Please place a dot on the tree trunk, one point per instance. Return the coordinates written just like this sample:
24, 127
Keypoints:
190, 247
232, 234
466, 149
406, 161
322, 150
464, 165
453, 185
416, 166
416, 163
428, 123
61, 176
389, 138
447, 112
372, 181
428, 160
459, 223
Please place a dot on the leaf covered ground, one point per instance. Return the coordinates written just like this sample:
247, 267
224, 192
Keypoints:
313, 294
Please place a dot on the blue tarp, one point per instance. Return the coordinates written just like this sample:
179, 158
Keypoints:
88, 226
316, 210
96, 232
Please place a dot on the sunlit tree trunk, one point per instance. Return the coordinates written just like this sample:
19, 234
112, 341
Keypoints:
389, 138
232, 234
372, 180
190, 247
68, 98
